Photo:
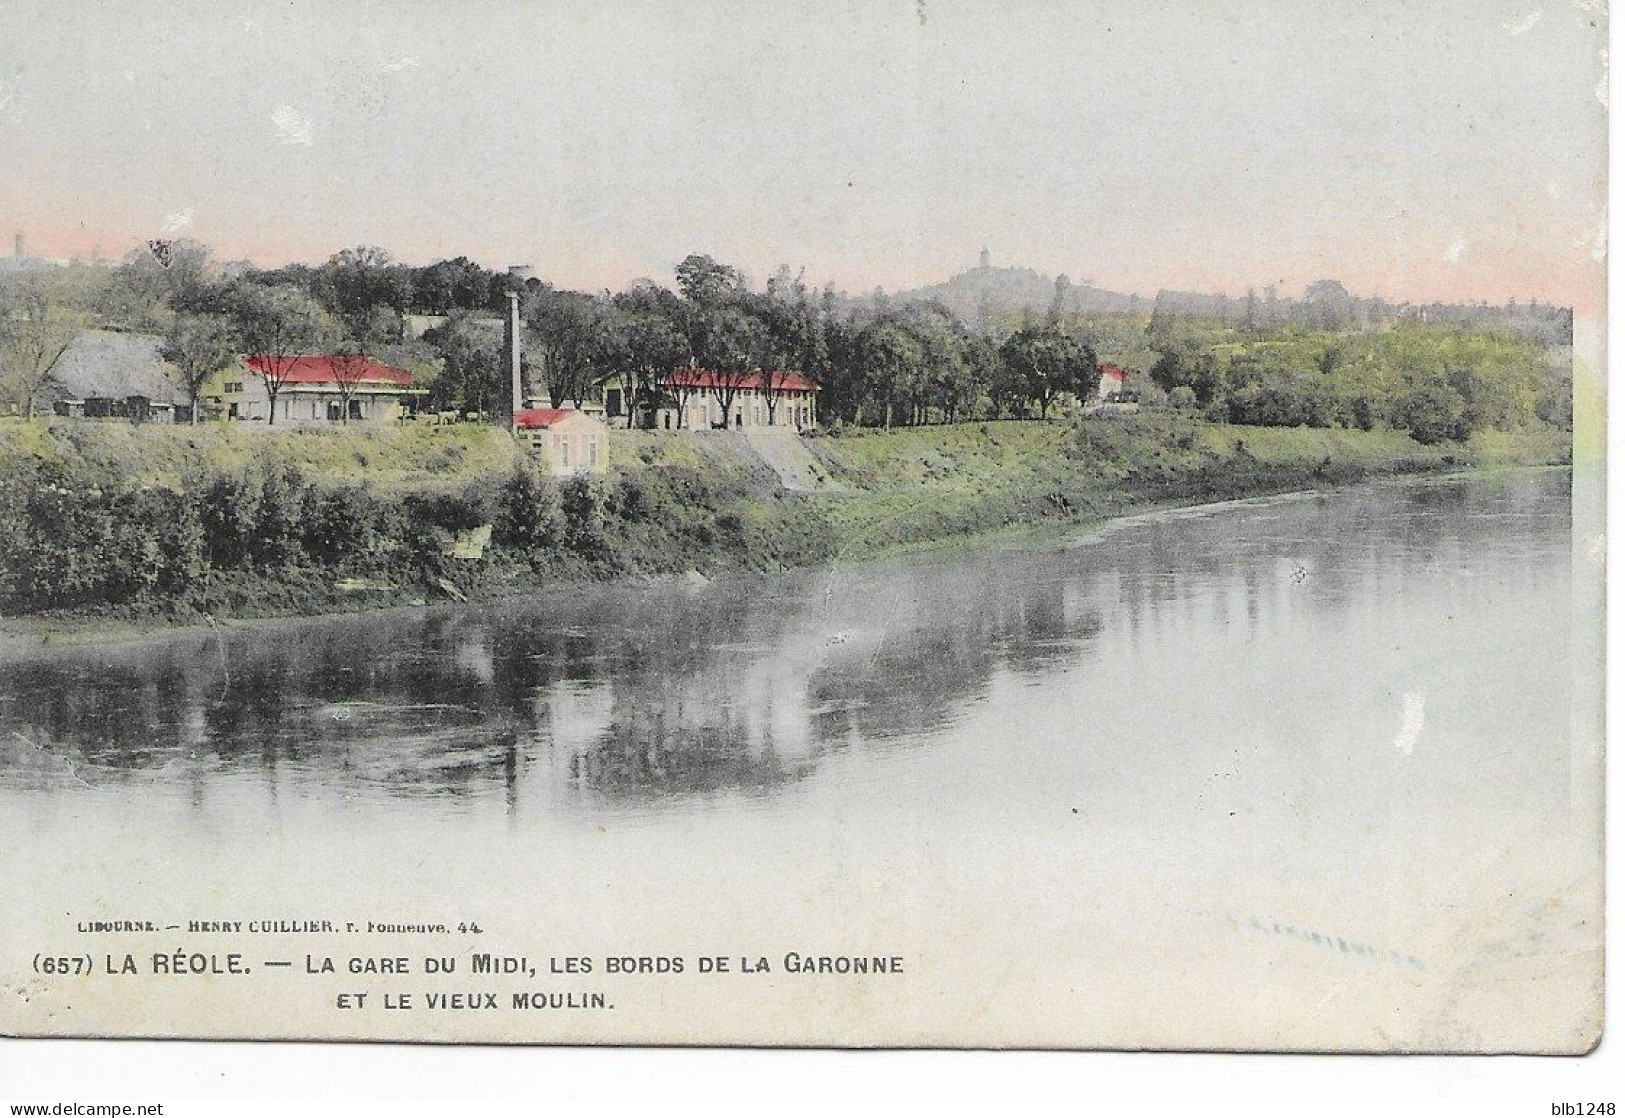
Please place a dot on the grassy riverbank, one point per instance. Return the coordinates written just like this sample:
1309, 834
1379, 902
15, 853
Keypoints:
107, 526
918, 485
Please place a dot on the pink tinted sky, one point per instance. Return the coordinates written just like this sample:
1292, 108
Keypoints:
1419, 150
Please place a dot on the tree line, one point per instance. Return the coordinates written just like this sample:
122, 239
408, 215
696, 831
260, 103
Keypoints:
1435, 382
878, 361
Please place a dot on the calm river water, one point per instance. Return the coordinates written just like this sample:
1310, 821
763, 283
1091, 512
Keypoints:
1292, 768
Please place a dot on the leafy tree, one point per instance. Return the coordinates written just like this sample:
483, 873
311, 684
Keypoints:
472, 376
794, 341
459, 284
528, 512
278, 539
1432, 413
1050, 362
581, 500
731, 344
228, 505
341, 523
365, 290
279, 324
155, 280
892, 358
572, 334
1328, 304
198, 345
649, 343
703, 280
1186, 363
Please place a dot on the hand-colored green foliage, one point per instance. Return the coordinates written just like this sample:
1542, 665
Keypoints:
1437, 382
529, 516
277, 534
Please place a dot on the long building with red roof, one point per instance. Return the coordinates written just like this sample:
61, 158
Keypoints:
317, 389
699, 399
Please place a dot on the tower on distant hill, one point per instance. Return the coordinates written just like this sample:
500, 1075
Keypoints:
987, 258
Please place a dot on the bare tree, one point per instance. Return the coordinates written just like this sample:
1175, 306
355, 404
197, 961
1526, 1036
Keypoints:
350, 366
681, 384
35, 331
775, 386
278, 325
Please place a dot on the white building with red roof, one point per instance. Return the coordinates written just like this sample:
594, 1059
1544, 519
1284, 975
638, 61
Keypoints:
1112, 378
565, 440
703, 400
316, 390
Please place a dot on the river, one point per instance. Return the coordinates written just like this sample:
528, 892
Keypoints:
1295, 771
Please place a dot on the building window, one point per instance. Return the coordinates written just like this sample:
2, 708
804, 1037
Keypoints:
592, 451
355, 409
564, 453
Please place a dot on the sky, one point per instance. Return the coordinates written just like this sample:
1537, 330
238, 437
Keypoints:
1418, 149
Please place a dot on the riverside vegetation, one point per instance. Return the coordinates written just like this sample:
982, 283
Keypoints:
939, 425
108, 522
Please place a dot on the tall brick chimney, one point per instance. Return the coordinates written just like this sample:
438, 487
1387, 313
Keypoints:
20, 246
514, 370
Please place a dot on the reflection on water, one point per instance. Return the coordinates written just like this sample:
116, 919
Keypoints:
1128, 788
629, 695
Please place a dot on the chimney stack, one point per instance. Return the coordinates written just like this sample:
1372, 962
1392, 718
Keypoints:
21, 247
513, 359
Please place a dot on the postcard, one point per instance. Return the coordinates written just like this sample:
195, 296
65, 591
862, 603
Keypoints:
910, 524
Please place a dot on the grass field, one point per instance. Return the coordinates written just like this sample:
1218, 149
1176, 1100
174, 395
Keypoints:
168, 455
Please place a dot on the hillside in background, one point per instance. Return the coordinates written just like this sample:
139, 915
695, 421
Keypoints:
983, 296
986, 293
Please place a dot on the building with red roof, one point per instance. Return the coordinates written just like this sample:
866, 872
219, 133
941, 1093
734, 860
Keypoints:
1112, 379
698, 399
566, 441
317, 389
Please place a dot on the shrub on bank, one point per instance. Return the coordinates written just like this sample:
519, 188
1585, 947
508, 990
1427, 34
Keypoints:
529, 516
265, 536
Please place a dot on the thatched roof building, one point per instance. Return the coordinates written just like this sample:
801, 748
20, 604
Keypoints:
107, 373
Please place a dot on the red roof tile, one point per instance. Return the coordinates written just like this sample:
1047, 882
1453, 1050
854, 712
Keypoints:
317, 368
686, 377
541, 418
